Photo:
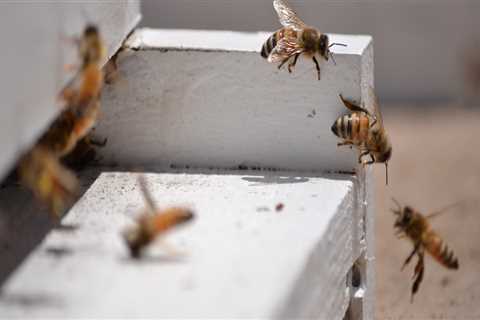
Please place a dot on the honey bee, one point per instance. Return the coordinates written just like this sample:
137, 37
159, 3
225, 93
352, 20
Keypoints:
81, 97
366, 131
52, 184
415, 226
295, 39
153, 222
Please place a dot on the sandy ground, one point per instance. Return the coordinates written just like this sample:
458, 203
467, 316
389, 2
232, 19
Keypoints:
436, 161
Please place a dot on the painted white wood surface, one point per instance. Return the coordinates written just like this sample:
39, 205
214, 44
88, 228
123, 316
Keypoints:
208, 99
241, 257
420, 44
34, 52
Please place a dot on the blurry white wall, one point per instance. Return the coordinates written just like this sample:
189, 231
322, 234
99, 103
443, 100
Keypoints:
420, 45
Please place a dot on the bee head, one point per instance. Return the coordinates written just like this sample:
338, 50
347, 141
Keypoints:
91, 45
323, 46
385, 154
404, 216
185, 215
135, 240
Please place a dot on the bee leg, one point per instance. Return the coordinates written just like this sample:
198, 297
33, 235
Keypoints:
293, 63
349, 105
345, 143
317, 66
356, 108
94, 142
364, 153
283, 62
418, 276
409, 258
67, 95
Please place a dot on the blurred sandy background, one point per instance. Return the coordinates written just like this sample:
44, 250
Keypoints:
435, 162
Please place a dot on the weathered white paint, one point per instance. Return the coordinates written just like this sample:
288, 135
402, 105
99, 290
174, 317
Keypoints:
36, 48
241, 257
208, 99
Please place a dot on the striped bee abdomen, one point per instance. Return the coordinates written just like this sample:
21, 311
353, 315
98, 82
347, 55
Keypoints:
353, 127
440, 251
269, 45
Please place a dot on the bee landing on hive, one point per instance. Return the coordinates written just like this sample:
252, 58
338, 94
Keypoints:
153, 222
295, 39
365, 131
40, 169
416, 227
81, 97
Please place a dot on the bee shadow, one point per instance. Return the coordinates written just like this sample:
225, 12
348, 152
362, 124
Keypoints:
30, 300
155, 259
259, 181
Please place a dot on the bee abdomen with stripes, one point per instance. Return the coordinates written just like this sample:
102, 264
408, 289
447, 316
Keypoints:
353, 127
443, 254
268, 46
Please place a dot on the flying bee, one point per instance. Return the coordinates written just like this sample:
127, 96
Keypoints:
51, 183
364, 130
153, 222
295, 39
415, 226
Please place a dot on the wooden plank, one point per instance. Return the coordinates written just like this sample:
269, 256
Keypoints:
36, 51
241, 257
207, 99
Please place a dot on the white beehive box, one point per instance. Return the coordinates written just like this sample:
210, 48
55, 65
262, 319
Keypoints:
37, 46
196, 108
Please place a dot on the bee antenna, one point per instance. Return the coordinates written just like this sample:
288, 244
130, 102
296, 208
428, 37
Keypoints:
386, 173
337, 44
399, 206
142, 181
333, 59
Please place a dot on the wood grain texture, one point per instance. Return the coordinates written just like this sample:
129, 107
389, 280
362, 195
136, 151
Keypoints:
180, 105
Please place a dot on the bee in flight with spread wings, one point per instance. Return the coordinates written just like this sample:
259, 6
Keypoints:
295, 39
413, 225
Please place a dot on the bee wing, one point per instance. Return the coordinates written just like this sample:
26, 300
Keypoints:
376, 108
284, 49
444, 209
288, 17
151, 206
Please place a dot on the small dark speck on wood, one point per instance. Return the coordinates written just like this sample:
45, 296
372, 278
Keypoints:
67, 227
59, 252
279, 207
